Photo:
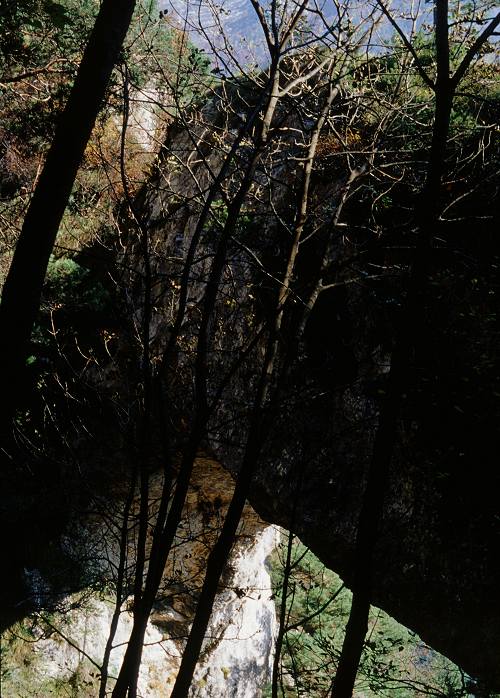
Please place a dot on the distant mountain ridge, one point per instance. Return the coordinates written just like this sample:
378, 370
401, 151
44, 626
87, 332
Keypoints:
231, 24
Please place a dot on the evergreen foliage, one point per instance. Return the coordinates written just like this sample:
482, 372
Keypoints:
395, 662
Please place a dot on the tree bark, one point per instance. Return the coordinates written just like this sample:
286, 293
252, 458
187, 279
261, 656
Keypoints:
218, 558
23, 286
370, 518
278, 645
163, 537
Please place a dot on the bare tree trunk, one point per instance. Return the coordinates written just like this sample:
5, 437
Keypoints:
163, 539
411, 315
127, 678
120, 587
216, 563
219, 555
23, 286
278, 645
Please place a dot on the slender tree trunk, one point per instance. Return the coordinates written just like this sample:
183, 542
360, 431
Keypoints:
163, 539
132, 660
411, 318
350, 656
368, 528
219, 555
278, 645
217, 561
23, 286
120, 586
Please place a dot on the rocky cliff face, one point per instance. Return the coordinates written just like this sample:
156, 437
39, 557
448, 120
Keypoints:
436, 563
437, 566
66, 647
